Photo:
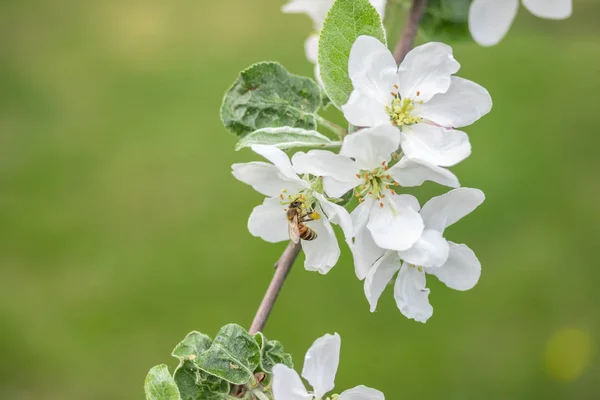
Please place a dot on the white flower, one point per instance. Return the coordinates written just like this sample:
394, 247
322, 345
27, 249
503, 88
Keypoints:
454, 264
280, 183
489, 20
320, 366
383, 220
421, 97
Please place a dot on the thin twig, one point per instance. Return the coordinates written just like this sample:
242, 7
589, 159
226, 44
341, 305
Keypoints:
407, 37
284, 265
333, 127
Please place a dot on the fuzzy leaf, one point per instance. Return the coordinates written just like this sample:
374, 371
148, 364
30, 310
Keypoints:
233, 355
346, 21
272, 353
284, 138
160, 385
194, 344
195, 384
266, 95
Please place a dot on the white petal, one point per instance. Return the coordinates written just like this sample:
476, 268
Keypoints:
372, 68
365, 252
316, 9
431, 250
323, 252
325, 163
380, 274
412, 297
311, 48
372, 146
338, 215
337, 189
364, 110
265, 178
434, 144
442, 211
268, 221
461, 271
321, 363
287, 385
464, 103
278, 158
550, 9
380, 7
361, 393
396, 225
360, 215
427, 70
409, 173
489, 20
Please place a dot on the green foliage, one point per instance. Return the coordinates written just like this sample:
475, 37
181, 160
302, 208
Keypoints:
160, 385
346, 21
233, 355
446, 20
272, 353
266, 95
217, 369
285, 137
195, 343
195, 384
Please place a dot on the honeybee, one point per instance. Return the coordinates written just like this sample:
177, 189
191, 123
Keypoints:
297, 216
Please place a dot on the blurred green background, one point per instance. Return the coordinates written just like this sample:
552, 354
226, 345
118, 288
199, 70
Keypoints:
121, 228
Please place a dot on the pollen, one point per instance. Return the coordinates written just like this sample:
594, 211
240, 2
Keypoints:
315, 216
358, 176
418, 93
400, 112
381, 205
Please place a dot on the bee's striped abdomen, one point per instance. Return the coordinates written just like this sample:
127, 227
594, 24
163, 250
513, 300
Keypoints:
306, 233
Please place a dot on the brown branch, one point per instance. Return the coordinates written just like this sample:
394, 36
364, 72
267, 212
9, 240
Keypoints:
407, 37
283, 267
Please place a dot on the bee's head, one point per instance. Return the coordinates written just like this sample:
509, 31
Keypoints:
296, 204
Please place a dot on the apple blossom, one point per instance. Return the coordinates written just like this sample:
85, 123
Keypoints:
490, 20
454, 264
281, 184
421, 98
382, 220
320, 367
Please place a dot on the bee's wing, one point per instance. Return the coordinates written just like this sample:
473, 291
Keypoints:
293, 229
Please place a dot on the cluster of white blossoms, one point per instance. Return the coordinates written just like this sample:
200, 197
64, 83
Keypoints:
320, 367
406, 117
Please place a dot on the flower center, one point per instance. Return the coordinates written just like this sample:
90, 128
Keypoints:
400, 110
376, 184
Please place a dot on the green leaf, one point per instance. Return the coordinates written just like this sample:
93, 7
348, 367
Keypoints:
284, 138
194, 344
272, 353
346, 21
233, 355
195, 384
266, 95
446, 20
160, 385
